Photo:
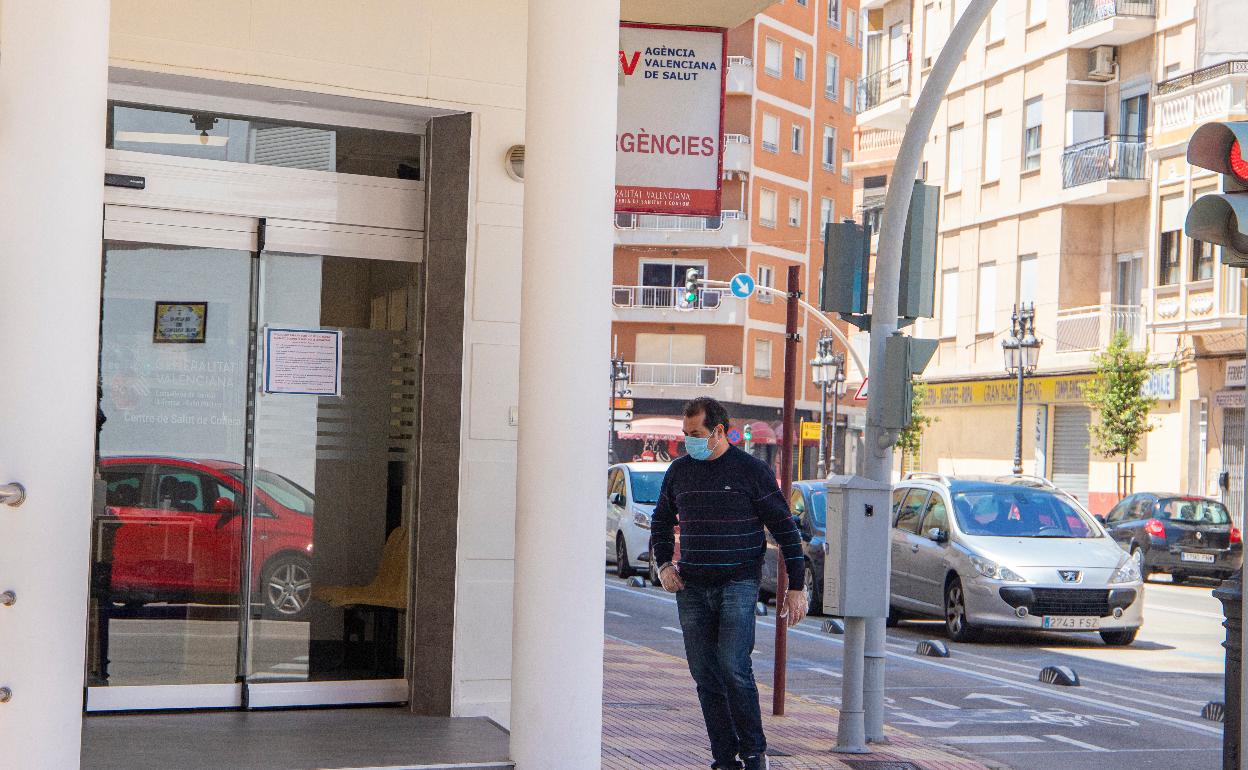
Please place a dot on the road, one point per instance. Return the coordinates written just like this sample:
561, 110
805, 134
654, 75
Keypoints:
1137, 707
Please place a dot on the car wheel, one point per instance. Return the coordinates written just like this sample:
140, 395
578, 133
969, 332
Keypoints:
622, 567
894, 617
1119, 638
286, 584
1137, 554
814, 596
956, 621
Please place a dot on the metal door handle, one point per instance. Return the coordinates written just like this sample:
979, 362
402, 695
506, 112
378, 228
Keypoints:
12, 494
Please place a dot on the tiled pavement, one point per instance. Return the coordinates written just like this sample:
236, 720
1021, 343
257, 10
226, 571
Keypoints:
651, 721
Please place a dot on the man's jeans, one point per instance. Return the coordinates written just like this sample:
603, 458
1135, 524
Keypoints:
718, 625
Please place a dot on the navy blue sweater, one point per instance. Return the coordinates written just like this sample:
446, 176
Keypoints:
722, 506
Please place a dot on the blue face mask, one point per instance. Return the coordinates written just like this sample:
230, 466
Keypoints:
699, 448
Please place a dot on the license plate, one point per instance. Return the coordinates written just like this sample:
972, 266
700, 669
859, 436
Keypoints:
1203, 558
1072, 622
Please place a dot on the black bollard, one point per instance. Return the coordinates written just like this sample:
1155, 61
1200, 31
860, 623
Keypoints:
1230, 594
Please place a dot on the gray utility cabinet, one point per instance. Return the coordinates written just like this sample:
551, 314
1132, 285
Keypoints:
855, 567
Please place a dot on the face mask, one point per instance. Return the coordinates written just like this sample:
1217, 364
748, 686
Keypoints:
699, 448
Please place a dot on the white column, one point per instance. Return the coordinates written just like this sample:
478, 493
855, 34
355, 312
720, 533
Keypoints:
556, 702
53, 97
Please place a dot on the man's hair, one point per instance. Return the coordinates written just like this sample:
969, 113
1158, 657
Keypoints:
713, 413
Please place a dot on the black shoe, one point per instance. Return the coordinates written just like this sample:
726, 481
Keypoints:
734, 765
756, 762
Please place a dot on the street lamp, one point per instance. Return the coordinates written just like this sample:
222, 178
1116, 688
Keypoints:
827, 370
619, 376
1022, 352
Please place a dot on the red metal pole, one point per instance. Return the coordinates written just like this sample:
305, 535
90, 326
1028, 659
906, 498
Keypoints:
791, 340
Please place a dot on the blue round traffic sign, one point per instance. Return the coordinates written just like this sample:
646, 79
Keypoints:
742, 285
734, 436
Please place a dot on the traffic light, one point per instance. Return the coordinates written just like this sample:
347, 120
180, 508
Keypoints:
917, 291
691, 286
1222, 219
747, 435
904, 357
846, 265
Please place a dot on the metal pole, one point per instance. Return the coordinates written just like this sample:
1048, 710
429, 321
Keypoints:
1018, 427
823, 418
880, 441
615, 368
836, 398
791, 339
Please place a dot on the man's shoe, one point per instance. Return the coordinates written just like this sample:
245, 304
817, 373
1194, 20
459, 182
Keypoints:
756, 762
734, 765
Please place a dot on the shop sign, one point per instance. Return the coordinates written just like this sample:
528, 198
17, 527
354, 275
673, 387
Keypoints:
1161, 385
1236, 373
1229, 399
1064, 389
670, 124
810, 431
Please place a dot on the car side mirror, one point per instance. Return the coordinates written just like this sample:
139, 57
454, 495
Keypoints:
223, 507
617, 498
937, 535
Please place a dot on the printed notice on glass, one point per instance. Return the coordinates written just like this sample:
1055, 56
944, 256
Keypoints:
303, 361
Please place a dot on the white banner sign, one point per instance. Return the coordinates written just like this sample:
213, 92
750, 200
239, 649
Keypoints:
1161, 384
669, 135
303, 361
1229, 399
1235, 371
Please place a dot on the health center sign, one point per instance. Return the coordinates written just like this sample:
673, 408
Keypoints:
669, 136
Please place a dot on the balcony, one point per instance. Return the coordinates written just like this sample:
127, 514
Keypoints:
730, 228
1217, 92
884, 98
1211, 309
666, 304
1083, 329
1110, 22
1105, 170
738, 153
868, 5
740, 78
874, 147
684, 381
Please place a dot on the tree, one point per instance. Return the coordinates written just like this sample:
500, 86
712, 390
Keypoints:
910, 438
1117, 393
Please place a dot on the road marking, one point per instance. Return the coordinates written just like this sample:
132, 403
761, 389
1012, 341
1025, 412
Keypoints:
673, 630
618, 614
1073, 742
825, 672
940, 704
989, 739
1006, 700
918, 721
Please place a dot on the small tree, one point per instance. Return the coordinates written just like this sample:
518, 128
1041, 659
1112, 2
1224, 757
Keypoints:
1117, 393
910, 438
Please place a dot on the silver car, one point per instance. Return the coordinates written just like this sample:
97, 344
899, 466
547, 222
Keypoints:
1018, 554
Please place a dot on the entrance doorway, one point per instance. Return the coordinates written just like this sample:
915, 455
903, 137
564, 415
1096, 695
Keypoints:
256, 462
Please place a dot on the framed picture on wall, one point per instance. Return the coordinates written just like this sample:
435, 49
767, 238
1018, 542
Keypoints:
180, 322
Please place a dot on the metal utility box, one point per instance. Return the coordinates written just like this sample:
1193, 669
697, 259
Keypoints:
855, 549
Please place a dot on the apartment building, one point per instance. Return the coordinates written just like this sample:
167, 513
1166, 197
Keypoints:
789, 116
1048, 187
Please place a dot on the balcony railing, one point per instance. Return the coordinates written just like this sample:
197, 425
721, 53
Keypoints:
740, 61
878, 139
1098, 160
1174, 85
674, 222
884, 86
736, 139
689, 375
1085, 12
664, 298
1092, 327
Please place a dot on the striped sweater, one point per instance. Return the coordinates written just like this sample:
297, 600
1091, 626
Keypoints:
722, 506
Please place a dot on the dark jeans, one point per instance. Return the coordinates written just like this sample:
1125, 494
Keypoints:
718, 625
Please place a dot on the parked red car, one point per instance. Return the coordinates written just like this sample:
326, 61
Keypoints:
173, 531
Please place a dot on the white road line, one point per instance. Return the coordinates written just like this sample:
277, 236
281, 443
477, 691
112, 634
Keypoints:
619, 614
980, 739
940, 704
825, 672
673, 630
1073, 742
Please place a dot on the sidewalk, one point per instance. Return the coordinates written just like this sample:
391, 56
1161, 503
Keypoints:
651, 721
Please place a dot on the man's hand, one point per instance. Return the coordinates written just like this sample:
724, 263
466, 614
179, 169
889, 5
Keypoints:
671, 579
794, 607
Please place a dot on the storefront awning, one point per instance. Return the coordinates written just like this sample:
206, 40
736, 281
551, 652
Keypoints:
762, 432
700, 13
661, 428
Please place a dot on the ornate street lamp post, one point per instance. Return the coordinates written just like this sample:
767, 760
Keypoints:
1022, 351
828, 372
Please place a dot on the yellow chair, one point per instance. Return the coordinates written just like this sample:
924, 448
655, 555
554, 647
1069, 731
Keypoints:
388, 587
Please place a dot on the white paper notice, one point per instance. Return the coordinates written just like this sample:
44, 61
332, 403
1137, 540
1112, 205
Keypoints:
303, 361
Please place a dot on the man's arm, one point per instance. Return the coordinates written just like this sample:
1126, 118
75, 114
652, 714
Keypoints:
773, 510
663, 525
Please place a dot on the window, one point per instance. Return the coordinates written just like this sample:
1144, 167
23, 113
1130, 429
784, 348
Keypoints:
953, 174
949, 303
848, 101
1031, 133
911, 510
795, 211
827, 213
862, 25
1202, 261
845, 158
1027, 275
829, 148
897, 49
834, 13
931, 39
801, 3
799, 65
1172, 70
771, 64
849, 28
767, 208
832, 76
664, 351
996, 23
798, 144
665, 275
762, 358
1037, 12
771, 133
1135, 117
936, 516
992, 148
985, 319
959, 8
1172, 215
766, 278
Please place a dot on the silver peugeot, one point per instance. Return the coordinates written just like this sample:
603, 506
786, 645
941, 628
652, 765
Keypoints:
1017, 554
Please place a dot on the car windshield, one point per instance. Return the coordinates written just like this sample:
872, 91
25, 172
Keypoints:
283, 491
1193, 511
646, 486
1019, 513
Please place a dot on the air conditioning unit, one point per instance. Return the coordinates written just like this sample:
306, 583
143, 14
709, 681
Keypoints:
1101, 63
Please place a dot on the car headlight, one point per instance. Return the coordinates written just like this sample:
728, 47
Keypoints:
641, 519
1127, 572
990, 569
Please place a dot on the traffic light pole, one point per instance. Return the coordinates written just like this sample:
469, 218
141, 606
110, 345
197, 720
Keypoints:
791, 339
880, 441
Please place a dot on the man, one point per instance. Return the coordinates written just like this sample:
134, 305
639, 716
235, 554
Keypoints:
722, 498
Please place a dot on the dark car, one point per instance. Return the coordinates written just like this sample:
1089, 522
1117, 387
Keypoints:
1184, 535
809, 504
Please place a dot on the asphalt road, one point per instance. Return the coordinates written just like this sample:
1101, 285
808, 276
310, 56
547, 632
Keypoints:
1137, 707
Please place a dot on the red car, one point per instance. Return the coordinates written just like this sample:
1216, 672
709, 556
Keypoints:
173, 532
